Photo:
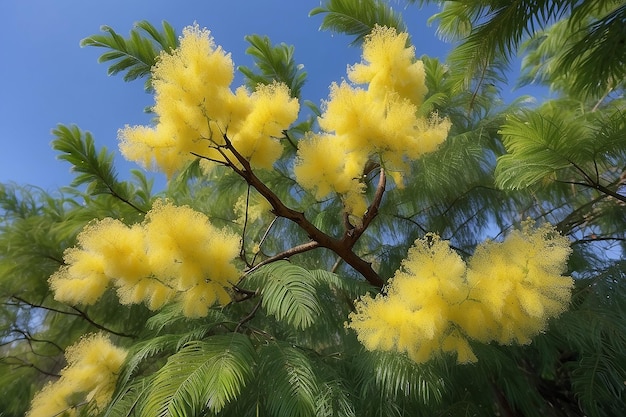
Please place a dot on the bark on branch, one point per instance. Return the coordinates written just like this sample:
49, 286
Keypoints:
342, 247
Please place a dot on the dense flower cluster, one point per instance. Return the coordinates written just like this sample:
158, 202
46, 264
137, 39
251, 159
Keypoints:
380, 123
93, 365
196, 108
174, 254
438, 303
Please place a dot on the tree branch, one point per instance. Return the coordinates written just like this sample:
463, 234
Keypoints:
597, 186
305, 247
21, 363
100, 326
339, 246
352, 235
248, 317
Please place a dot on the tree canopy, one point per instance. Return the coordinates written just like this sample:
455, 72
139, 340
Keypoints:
416, 244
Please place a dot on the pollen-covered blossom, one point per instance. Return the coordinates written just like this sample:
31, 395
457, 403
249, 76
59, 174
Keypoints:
192, 256
414, 314
518, 284
93, 365
196, 107
324, 167
379, 123
438, 303
175, 254
390, 66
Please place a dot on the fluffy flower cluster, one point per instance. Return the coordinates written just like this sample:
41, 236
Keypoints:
174, 254
380, 123
438, 303
196, 108
93, 365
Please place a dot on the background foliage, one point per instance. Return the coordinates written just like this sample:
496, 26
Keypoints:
282, 349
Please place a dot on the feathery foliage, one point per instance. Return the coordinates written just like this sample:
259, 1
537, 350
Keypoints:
543, 144
357, 18
288, 293
202, 375
292, 375
274, 63
137, 54
95, 169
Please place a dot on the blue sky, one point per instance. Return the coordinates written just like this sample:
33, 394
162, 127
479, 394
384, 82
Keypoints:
46, 79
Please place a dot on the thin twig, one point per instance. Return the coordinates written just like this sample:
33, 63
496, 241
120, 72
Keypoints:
352, 235
21, 363
305, 247
599, 187
100, 326
249, 317
242, 252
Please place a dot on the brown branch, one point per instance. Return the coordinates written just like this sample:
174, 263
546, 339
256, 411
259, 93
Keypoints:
339, 246
30, 304
114, 194
248, 317
21, 363
30, 339
242, 251
84, 315
597, 186
305, 247
78, 313
352, 235
598, 239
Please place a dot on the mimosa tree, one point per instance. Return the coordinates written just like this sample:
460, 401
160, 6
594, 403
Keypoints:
412, 246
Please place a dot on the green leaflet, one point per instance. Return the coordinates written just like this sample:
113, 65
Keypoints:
357, 17
137, 54
273, 63
581, 55
202, 375
537, 147
95, 169
126, 400
543, 143
288, 293
294, 388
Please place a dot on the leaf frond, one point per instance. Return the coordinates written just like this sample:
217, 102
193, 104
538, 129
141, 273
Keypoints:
203, 375
288, 293
357, 17
134, 55
294, 388
273, 63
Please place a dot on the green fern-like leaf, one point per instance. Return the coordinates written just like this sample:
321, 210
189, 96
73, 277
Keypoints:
137, 54
146, 350
171, 319
273, 63
203, 375
334, 400
357, 17
542, 142
95, 168
396, 376
490, 32
538, 145
294, 387
126, 400
597, 379
350, 287
597, 372
288, 293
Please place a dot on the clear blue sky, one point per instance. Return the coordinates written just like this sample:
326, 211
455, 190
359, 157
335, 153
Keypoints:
47, 79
